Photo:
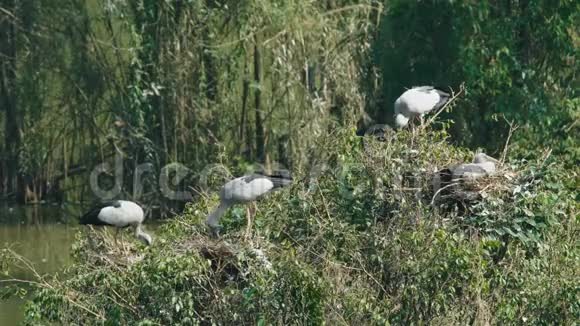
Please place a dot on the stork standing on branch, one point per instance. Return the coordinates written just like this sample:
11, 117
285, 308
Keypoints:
241, 190
418, 101
120, 214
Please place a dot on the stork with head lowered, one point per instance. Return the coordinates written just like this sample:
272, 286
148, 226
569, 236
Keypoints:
119, 214
245, 189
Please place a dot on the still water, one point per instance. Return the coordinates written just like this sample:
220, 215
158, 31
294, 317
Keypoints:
43, 234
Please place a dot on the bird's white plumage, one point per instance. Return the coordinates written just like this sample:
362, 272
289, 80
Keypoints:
466, 173
129, 213
416, 101
239, 190
482, 165
401, 120
242, 190
120, 214
485, 161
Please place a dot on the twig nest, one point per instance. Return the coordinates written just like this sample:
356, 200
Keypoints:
472, 187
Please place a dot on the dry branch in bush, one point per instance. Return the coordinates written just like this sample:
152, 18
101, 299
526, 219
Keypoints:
500, 183
454, 96
513, 128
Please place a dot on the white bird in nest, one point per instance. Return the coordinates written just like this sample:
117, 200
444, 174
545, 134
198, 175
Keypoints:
483, 165
417, 102
120, 214
241, 190
486, 162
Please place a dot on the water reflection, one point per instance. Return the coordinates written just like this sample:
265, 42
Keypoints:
43, 235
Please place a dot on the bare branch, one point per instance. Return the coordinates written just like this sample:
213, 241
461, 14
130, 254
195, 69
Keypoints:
454, 96
440, 190
513, 128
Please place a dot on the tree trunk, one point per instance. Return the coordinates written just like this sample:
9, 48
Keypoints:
163, 134
524, 38
258, 102
209, 66
245, 91
8, 96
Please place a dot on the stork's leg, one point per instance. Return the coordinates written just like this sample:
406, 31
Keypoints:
413, 131
254, 210
122, 242
115, 238
249, 225
90, 237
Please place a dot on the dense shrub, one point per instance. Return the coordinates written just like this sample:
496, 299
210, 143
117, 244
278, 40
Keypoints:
353, 245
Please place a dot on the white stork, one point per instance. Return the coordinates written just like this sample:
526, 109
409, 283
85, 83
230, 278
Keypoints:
418, 101
244, 190
483, 165
120, 214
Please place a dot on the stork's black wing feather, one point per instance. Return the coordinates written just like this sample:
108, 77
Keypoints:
441, 91
279, 179
92, 216
443, 95
443, 99
252, 177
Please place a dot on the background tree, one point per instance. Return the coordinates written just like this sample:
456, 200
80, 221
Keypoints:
254, 81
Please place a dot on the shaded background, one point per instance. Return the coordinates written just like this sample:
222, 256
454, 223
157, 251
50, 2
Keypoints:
243, 82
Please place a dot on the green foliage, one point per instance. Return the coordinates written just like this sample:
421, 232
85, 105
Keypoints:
357, 239
188, 81
518, 59
185, 81
351, 245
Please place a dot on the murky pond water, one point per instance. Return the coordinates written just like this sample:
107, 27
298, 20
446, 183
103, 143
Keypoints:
43, 234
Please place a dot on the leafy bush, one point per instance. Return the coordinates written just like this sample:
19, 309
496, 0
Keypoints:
355, 244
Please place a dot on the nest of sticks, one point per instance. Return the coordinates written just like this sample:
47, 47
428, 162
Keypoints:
472, 189
229, 260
